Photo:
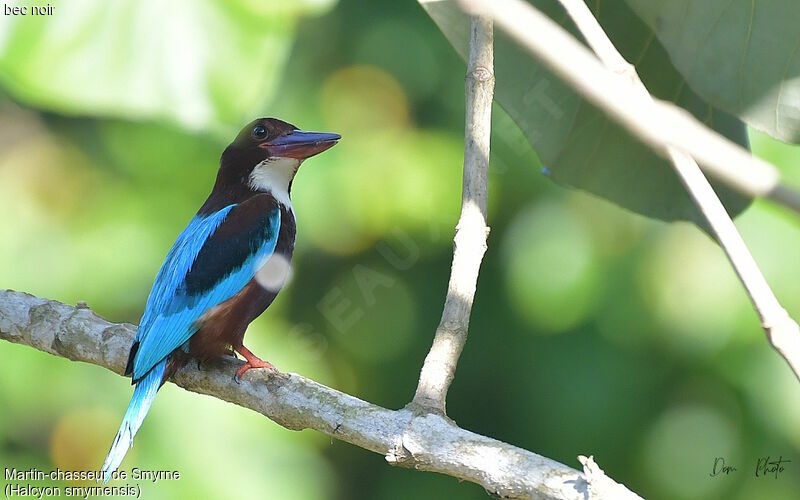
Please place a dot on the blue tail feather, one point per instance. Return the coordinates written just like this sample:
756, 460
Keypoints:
143, 396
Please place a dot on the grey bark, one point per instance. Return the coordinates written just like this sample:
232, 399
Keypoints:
471, 232
419, 440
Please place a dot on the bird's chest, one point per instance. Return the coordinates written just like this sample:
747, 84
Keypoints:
274, 272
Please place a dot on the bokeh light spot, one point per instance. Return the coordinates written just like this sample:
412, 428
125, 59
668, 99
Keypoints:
381, 181
551, 273
81, 438
364, 99
693, 291
680, 448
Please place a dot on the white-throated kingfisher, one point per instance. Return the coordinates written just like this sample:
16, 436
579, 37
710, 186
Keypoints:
208, 290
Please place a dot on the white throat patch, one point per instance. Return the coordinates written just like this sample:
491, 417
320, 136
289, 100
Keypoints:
274, 175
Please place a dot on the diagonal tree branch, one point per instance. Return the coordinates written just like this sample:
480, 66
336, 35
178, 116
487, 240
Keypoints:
614, 86
428, 442
782, 331
657, 123
471, 232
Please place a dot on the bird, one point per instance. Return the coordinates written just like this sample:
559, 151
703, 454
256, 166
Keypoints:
208, 288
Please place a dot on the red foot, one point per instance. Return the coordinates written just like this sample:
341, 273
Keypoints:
253, 361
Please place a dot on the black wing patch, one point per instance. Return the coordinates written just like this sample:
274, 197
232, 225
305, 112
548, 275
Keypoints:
246, 228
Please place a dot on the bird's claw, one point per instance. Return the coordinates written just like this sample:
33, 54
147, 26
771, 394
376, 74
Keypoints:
253, 363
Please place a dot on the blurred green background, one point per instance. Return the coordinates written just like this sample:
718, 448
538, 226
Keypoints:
594, 331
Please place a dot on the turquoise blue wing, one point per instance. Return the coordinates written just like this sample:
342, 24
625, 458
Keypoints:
210, 262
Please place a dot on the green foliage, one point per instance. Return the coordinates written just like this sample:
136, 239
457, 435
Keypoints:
576, 141
740, 56
149, 59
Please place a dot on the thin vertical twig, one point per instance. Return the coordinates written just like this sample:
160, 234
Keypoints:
782, 331
471, 232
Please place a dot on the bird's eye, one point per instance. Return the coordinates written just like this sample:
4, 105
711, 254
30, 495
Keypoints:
259, 132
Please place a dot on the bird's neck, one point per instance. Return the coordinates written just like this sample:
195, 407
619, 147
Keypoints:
274, 176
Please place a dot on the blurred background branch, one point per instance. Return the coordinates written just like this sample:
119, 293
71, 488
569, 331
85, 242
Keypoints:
782, 331
471, 232
657, 123
426, 442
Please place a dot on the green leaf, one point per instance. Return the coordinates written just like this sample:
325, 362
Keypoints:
579, 145
742, 56
200, 64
